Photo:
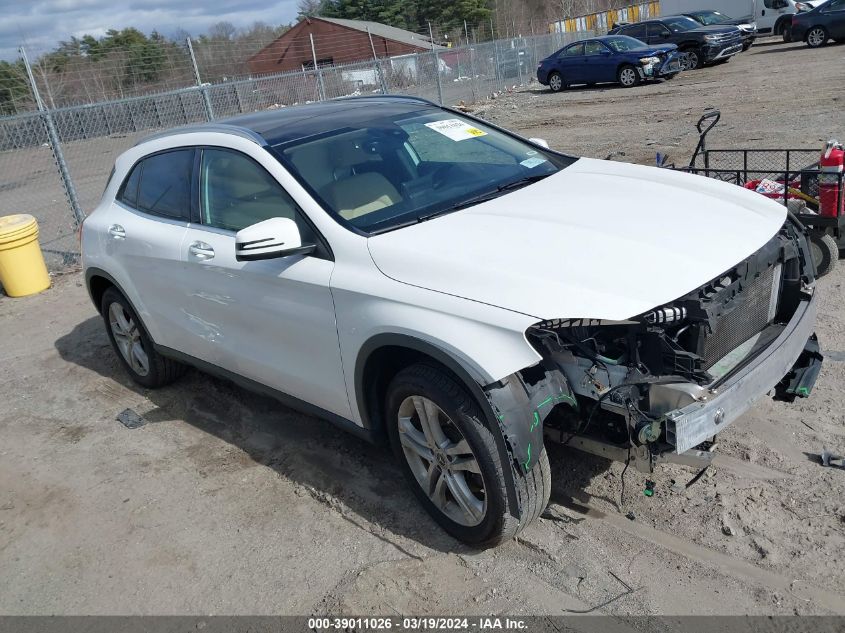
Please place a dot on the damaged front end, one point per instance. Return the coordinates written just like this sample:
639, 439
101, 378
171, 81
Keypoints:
661, 385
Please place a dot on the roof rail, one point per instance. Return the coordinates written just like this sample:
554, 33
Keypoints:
388, 96
206, 127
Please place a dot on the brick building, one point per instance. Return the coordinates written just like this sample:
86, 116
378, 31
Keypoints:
336, 41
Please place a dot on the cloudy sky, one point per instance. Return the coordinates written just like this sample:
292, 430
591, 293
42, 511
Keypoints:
41, 24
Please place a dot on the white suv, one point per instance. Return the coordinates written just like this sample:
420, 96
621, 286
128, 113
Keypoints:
407, 271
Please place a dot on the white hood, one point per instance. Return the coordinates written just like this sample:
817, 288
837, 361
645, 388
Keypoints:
599, 240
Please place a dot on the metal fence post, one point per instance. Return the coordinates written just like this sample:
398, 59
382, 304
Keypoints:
436, 65
55, 145
320, 85
473, 77
209, 111
377, 63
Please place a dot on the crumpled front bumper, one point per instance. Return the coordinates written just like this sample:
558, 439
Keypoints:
671, 66
792, 355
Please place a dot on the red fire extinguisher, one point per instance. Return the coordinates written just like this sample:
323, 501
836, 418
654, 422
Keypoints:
831, 168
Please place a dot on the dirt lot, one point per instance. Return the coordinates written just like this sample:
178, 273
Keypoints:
226, 502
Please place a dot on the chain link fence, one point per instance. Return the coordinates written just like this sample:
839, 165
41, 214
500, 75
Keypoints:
55, 160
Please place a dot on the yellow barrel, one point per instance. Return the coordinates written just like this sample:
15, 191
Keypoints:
22, 268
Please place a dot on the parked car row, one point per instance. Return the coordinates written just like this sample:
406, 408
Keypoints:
819, 25
662, 47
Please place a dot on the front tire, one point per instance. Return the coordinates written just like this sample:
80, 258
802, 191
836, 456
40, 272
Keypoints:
817, 37
132, 344
692, 59
627, 76
451, 459
556, 82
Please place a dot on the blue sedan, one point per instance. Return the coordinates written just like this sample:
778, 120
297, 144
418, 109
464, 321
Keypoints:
613, 58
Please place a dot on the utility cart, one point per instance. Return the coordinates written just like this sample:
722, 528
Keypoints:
809, 182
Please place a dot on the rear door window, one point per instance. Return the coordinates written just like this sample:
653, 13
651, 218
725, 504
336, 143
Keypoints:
164, 184
637, 31
594, 48
576, 50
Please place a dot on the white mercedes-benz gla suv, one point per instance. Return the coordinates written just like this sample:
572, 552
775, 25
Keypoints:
410, 272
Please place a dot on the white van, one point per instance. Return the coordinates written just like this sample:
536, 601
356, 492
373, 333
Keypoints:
772, 16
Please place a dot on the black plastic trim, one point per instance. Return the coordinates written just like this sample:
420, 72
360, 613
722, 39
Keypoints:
244, 254
99, 272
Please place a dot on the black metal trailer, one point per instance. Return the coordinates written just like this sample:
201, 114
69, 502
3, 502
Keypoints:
793, 174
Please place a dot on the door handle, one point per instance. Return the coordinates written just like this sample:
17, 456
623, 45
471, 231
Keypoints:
201, 250
117, 232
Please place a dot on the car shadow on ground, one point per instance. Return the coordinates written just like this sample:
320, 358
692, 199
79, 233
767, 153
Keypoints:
358, 479
792, 48
594, 87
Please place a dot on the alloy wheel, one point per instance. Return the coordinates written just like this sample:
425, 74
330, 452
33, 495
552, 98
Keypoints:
690, 60
127, 336
816, 37
628, 77
442, 461
555, 82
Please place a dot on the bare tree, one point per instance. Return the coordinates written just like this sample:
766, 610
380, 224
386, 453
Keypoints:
309, 7
222, 31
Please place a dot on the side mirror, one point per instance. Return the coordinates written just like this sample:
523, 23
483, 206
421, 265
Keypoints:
270, 239
540, 141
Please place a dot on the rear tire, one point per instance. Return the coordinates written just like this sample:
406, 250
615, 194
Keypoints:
132, 344
436, 431
556, 83
627, 76
786, 33
825, 250
817, 37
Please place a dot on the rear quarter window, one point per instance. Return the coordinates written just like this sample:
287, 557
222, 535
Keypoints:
161, 184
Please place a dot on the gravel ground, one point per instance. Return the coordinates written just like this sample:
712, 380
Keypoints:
226, 502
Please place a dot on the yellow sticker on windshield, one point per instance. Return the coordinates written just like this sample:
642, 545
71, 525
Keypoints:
455, 129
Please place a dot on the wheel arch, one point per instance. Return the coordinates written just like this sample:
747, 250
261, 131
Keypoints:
780, 24
97, 281
384, 355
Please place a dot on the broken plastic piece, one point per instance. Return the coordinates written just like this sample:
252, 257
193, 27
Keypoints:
649, 488
130, 419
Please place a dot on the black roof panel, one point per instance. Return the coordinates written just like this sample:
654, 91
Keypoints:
295, 122
282, 125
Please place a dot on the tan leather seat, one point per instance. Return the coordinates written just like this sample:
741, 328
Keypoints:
360, 194
355, 192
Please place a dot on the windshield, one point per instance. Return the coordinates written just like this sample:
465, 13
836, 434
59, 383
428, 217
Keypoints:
623, 43
680, 24
405, 168
711, 17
